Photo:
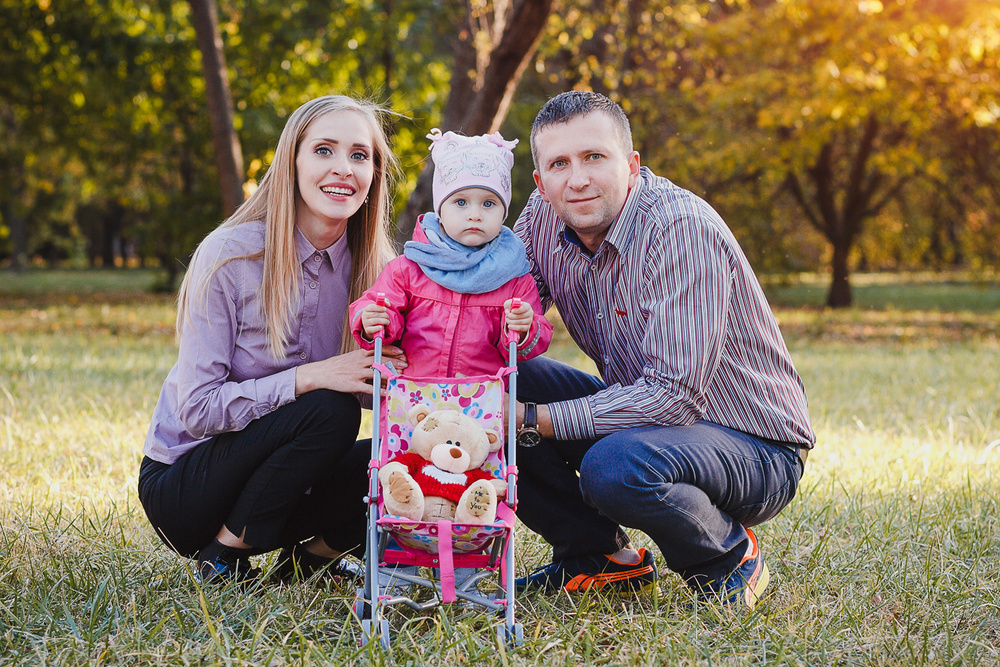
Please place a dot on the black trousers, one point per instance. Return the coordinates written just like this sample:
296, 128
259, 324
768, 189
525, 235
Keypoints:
290, 475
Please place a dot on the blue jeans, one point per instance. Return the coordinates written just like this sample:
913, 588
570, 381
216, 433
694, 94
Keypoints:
692, 489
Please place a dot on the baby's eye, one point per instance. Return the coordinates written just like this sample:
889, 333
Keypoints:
460, 202
489, 203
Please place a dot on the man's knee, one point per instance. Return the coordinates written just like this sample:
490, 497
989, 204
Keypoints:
608, 475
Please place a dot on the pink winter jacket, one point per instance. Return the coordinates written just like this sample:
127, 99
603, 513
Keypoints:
445, 333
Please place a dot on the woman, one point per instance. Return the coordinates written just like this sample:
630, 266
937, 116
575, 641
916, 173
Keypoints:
252, 443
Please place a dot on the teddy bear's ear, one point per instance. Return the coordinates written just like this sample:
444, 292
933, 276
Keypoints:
494, 441
417, 413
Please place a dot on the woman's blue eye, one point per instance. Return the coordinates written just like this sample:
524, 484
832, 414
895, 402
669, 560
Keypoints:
323, 150
360, 155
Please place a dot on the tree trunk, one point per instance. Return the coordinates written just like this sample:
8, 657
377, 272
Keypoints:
840, 295
478, 104
18, 230
228, 153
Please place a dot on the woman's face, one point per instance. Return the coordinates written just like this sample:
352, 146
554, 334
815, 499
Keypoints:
334, 168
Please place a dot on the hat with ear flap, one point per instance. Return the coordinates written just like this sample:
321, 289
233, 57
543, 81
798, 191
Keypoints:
461, 162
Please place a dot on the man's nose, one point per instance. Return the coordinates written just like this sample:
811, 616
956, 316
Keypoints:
578, 177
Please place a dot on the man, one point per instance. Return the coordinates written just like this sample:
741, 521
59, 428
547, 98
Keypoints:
700, 427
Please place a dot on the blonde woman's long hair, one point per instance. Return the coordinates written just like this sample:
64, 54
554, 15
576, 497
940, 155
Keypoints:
274, 203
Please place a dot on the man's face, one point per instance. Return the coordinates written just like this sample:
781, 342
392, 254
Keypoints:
584, 172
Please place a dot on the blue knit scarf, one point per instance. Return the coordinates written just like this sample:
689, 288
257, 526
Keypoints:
464, 269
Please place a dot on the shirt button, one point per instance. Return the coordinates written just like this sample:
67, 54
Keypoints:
318, 258
312, 284
600, 316
302, 356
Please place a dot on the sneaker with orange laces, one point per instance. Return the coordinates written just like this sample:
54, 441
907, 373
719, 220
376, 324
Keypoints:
582, 573
746, 584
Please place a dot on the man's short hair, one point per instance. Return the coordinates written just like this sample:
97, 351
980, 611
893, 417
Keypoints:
574, 103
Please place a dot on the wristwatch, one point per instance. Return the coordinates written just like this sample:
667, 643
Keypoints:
529, 435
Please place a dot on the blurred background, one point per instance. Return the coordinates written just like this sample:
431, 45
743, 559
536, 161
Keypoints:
834, 136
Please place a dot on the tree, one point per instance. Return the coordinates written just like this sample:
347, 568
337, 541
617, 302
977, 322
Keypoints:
495, 44
228, 153
826, 104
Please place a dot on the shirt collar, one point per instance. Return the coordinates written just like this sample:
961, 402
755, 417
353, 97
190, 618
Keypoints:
335, 254
622, 230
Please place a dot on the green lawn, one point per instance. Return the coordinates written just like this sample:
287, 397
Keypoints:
889, 556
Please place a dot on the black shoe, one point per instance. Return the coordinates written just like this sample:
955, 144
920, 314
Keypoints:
297, 564
581, 573
221, 571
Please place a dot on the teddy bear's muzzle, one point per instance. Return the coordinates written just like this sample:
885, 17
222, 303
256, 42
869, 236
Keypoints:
450, 457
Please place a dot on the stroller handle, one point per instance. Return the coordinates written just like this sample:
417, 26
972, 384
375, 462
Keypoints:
512, 336
380, 300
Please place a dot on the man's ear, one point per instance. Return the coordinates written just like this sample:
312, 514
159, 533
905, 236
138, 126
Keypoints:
538, 184
633, 169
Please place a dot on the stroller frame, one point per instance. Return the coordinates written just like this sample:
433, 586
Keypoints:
384, 559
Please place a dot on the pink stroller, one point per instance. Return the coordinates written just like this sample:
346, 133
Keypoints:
439, 547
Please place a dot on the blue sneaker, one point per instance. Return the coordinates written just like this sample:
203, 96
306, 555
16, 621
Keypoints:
746, 584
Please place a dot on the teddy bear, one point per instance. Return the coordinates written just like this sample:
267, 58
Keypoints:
440, 476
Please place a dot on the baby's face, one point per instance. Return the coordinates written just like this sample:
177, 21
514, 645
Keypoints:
473, 216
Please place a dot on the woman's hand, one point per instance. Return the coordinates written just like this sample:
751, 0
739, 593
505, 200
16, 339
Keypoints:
349, 373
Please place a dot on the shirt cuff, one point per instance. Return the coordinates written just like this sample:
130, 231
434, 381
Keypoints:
572, 420
274, 391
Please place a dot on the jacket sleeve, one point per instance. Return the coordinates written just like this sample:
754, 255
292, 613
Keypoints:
394, 284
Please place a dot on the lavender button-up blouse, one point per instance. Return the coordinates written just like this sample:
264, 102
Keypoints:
225, 377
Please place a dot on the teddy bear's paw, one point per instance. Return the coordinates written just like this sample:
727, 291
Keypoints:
403, 497
478, 504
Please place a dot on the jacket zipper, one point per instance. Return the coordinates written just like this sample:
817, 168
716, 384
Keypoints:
454, 338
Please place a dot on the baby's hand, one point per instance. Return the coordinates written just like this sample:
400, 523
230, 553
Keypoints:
374, 319
518, 319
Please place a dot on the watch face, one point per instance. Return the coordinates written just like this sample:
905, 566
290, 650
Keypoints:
529, 438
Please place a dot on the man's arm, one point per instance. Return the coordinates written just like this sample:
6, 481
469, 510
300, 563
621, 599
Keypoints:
661, 357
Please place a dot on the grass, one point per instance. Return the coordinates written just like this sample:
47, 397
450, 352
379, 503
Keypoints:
890, 554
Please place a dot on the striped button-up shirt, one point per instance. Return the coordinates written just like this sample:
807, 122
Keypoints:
672, 314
